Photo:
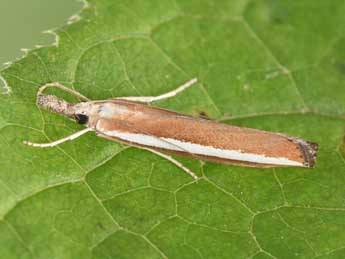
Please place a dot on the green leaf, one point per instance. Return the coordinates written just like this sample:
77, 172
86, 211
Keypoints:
266, 64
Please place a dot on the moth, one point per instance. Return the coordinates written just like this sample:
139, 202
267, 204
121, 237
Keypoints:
131, 120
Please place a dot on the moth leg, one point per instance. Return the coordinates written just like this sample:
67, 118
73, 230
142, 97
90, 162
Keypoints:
149, 99
57, 142
174, 161
64, 88
169, 158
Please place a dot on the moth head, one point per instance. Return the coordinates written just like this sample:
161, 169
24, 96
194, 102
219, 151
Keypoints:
82, 112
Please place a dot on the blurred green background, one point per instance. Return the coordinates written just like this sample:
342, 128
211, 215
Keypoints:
22, 23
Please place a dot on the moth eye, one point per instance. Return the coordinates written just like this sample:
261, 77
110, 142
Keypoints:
81, 118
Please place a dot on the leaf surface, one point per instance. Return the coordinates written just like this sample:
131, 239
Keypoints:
271, 65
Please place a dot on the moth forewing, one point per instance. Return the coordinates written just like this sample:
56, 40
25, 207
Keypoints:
169, 131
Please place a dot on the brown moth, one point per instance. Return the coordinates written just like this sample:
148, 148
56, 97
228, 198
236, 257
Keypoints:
128, 121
